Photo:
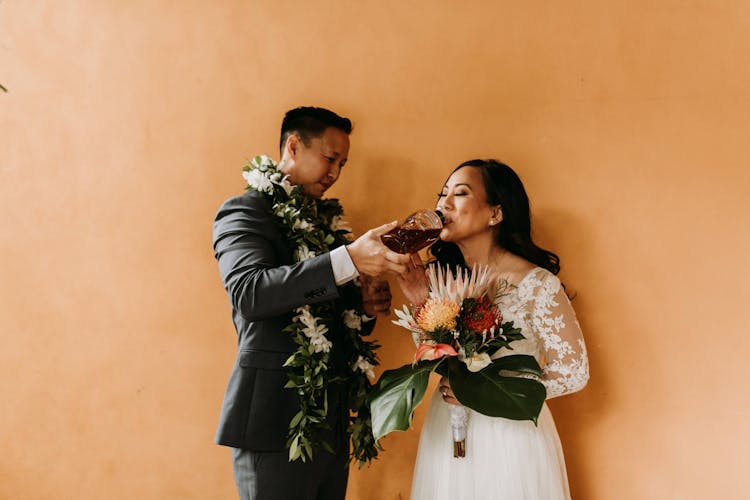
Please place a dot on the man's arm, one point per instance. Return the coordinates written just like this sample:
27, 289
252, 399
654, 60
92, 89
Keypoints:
258, 287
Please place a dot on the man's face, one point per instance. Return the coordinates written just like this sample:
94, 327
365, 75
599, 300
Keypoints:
318, 166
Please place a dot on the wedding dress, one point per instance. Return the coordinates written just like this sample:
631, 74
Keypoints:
507, 459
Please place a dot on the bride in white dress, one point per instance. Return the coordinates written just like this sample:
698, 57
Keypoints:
487, 222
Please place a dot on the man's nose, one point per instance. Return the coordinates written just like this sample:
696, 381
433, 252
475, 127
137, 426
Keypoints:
333, 172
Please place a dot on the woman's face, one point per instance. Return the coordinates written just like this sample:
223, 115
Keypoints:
463, 202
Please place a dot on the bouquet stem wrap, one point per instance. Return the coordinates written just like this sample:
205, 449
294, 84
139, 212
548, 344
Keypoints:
459, 422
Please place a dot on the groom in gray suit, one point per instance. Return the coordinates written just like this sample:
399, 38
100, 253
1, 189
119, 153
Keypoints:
265, 285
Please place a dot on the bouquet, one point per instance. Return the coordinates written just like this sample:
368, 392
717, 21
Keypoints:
458, 330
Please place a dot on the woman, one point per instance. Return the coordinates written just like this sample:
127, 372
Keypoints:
487, 222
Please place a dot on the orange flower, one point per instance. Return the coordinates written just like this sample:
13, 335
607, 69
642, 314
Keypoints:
438, 313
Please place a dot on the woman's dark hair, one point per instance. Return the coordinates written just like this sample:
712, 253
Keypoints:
504, 188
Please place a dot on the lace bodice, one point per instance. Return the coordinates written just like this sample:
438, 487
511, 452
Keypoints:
538, 305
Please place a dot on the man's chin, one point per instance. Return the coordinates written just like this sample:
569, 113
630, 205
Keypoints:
315, 192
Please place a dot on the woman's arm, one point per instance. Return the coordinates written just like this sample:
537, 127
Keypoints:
565, 364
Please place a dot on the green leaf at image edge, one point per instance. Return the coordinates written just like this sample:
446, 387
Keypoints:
395, 397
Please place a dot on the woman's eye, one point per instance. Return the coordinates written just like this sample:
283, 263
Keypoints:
442, 195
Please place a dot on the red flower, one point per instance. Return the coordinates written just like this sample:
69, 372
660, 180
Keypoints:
481, 314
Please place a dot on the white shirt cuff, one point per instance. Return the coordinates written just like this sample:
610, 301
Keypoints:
343, 267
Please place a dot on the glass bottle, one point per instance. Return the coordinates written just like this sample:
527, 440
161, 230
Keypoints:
419, 230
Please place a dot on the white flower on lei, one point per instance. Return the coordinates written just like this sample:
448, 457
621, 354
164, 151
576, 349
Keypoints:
314, 331
352, 319
265, 161
301, 224
282, 210
364, 366
303, 253
284, 183
338, 224
256, 180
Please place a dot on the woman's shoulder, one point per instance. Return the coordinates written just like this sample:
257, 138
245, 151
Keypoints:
539, 278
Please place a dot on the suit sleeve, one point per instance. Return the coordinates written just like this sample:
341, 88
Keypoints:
258, 287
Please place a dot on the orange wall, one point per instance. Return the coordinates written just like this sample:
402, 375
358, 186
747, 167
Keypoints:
127, 124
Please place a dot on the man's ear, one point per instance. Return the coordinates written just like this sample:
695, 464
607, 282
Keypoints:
292, 145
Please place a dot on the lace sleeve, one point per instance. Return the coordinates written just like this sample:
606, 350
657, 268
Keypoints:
565, 363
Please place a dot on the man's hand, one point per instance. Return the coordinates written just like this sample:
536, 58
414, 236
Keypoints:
414, 282
370, 256
376, 295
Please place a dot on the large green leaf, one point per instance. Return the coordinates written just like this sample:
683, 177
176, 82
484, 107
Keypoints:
490, 393
396, 395
521, 363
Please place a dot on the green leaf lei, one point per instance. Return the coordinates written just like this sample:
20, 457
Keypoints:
313, 227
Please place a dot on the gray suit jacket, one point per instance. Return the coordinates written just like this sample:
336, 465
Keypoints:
264, 286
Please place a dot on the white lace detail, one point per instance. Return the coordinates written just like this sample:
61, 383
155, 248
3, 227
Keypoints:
541, 309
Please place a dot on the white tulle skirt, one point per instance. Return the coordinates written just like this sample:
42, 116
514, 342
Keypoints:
505, 459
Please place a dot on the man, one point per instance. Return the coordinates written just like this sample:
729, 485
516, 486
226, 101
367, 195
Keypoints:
265, 285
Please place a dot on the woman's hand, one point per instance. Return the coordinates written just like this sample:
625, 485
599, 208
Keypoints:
447, 393
414, 281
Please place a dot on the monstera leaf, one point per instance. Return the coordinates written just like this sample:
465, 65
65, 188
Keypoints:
495, 395
396, 395
492, 391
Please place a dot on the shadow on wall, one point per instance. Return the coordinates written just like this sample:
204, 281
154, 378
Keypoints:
394, 186
565, 235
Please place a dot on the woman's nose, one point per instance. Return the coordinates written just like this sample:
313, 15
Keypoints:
446, 203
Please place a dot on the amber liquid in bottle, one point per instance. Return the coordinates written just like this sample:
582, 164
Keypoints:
420, 229
409, 240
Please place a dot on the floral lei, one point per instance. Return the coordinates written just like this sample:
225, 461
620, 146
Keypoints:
313, 227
